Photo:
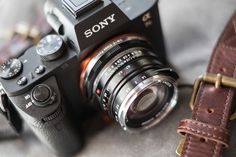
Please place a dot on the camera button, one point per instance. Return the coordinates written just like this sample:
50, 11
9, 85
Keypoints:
22, 81
40, 70
41, 93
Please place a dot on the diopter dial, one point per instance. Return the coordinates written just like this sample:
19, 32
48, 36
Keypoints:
10, 68
50, 47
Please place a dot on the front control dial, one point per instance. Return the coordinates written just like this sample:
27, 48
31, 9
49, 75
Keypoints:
42, 95
50, 47
10, 68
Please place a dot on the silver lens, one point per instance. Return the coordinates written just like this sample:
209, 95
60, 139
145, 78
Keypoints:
148, 103
129, 82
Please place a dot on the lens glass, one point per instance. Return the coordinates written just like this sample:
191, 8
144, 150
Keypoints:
147, 101
147, 104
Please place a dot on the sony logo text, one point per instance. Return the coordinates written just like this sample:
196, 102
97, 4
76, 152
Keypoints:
101, 25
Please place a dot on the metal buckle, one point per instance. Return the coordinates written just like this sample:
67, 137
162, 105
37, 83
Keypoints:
180, 146
217, 79
26, 31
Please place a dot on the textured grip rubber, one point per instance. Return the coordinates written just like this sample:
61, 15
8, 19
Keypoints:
58, 134
50, 122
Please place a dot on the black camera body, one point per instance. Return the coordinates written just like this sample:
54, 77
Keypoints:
88, 24
50, 83
43, 100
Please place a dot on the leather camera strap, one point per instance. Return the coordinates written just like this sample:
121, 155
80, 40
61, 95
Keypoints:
207, 132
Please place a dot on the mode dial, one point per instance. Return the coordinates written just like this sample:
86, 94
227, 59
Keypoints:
10, 68
50, 47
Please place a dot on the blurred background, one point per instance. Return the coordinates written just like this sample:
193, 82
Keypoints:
13, 12
191, 29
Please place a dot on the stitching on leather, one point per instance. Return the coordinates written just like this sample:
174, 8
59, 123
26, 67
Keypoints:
225, 107
224, 112
214, 152
223, 117
204, 134
227, 31
212, 59
195, 113
217, 149
212, 66
188, 139
227, 101
234, 24
223, 36
206, 126
202, 95
201, 92
227, 41
211, 69
232, 38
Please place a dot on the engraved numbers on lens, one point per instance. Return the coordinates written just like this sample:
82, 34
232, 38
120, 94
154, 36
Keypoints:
105, 100
123, 60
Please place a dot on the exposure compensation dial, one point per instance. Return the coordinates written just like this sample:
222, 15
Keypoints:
50, 47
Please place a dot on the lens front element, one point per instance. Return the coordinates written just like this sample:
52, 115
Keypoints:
148, 103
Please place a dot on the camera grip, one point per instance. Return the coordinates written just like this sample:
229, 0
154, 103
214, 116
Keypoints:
45, 110
57, 134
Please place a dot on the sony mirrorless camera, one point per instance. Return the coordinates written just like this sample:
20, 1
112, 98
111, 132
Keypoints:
108, 54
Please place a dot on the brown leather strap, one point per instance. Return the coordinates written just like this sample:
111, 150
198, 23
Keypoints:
207, 132
204, 130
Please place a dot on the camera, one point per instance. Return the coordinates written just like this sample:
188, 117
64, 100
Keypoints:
108, 54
